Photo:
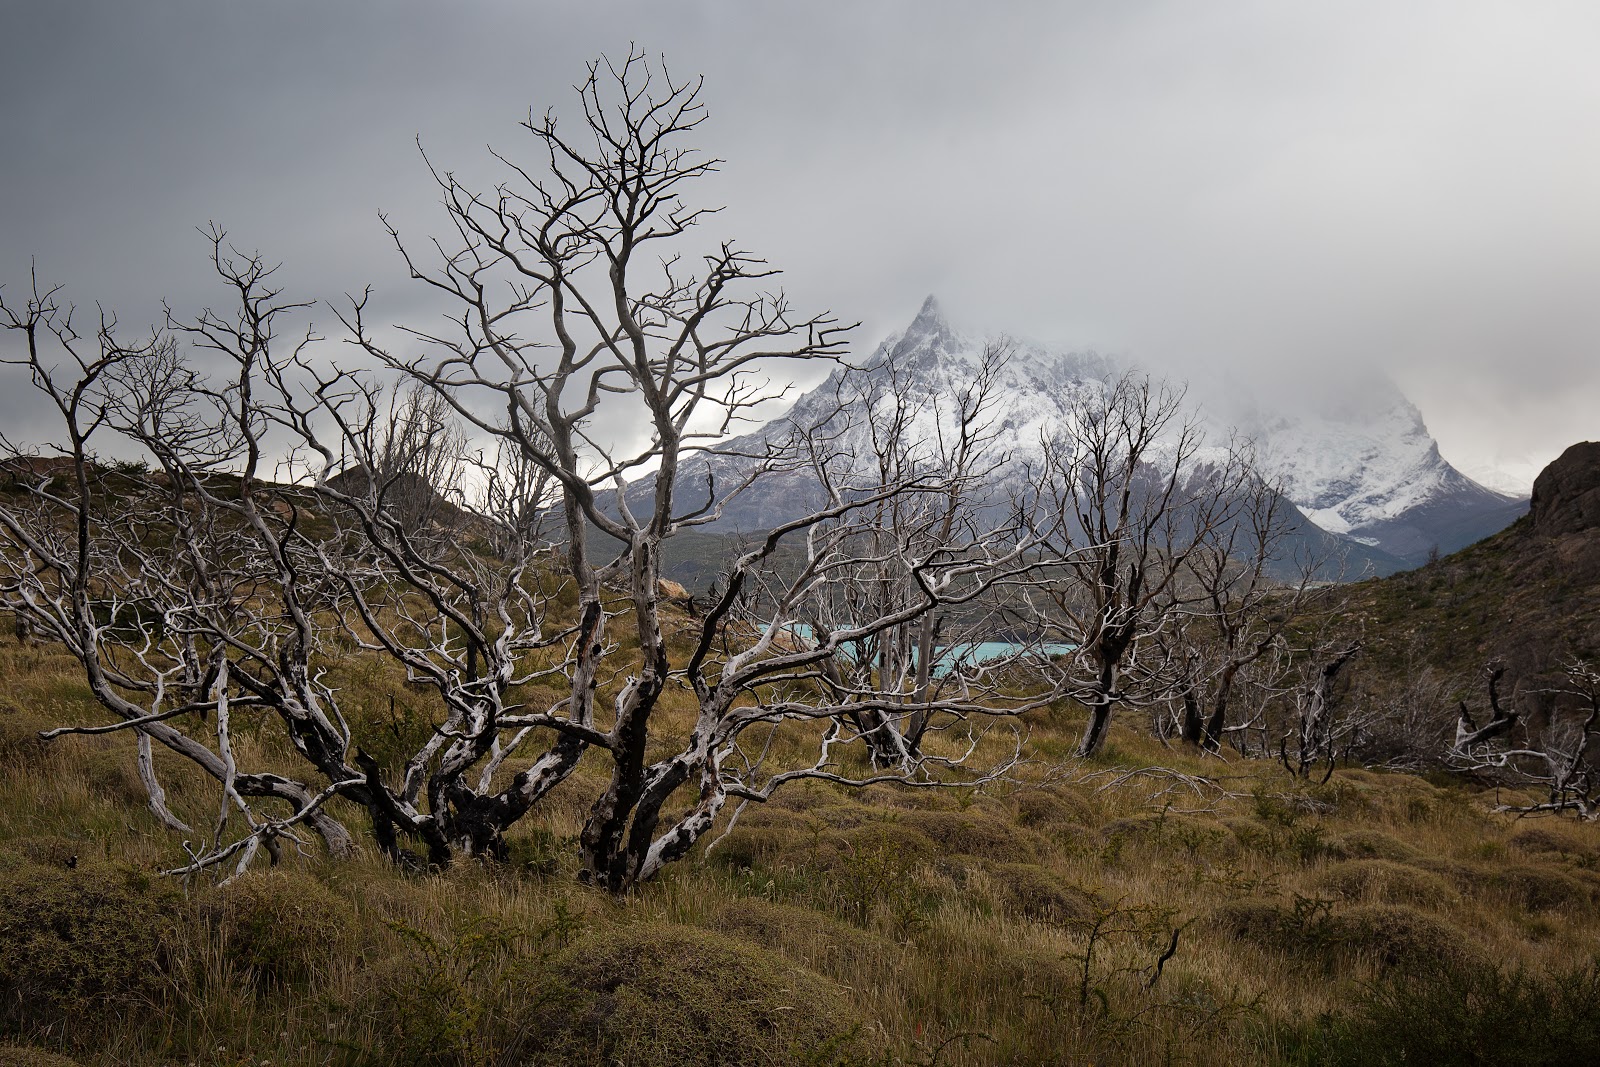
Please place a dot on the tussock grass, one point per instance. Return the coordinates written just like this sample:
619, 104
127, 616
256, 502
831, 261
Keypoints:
1020, 925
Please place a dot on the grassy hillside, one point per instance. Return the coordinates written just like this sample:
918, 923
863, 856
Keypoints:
1211, 912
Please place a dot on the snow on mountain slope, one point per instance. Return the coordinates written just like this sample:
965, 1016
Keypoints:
1353, 454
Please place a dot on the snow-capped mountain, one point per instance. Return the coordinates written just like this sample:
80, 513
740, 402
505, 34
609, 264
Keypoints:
1354, 457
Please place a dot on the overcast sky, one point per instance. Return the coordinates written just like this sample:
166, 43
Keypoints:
1190, 184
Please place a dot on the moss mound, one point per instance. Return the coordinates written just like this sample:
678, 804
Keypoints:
1372, 844
1046, 810
1538, 888
1031, 891
1403, 938
668, 994
905, 845
807, 937
1540, 838
1391, 936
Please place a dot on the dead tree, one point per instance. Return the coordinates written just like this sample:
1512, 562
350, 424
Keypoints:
1553, 752
608, 367
249, 588
1127, 501
408, 462
181, 594
941, 436
1314, 725
1242, 602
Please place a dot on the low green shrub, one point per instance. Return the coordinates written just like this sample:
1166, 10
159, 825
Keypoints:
747, 847
1464, 1016
93, 933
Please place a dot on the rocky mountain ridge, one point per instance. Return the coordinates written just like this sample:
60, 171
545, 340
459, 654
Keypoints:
1357, 460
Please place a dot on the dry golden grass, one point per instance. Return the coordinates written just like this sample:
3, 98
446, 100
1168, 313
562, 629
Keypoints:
1021, 925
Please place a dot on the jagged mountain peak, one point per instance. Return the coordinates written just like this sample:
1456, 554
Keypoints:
1353, 453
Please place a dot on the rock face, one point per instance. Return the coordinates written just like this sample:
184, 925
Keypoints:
1566, 495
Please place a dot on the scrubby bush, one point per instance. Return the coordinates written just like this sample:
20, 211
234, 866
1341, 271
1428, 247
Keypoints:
1466, 1016
95, 933
1402, 938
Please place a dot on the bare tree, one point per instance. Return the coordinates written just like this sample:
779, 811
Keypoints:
1552, 749
407, 457
1130, 501
943, 438
566, 330
1314, 728
1241, 605
593, 372
180, 594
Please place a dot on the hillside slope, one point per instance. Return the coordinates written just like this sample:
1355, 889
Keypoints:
1528, 596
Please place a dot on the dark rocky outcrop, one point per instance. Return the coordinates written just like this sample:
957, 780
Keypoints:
1566, 495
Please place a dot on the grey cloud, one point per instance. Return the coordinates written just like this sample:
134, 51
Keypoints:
1241, 183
